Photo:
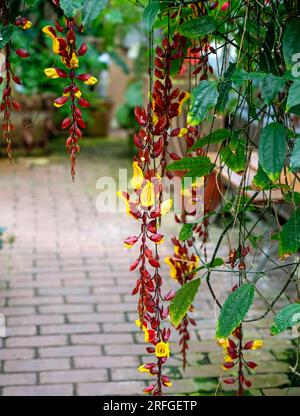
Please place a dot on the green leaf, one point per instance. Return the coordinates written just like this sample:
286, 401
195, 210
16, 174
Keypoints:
150, 14
293, 96
211, 265
234, 157
186, 232
198, 27
91, 10
204, 98
234, 310
6, 33
216, 263
225, 88
200, 163
180, 304
71, 7
290, 43
286, 318
271, 149
292, 198
240, 75
216, 136
295, 157
271, 86
261, 179
290, 234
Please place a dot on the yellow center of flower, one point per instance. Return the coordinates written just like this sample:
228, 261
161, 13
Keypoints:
162, 349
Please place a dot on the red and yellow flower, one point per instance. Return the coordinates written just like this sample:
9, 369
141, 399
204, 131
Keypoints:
64, 45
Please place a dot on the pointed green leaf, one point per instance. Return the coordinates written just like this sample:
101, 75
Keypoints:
201, 163
225, 88
71, 7
261, 179
6, 34
150, 14
240, 75
198, 27
182, 301
290, 234
271, 150
204, 98
286, 318
293, 96
216, 263
91, 10
234, 157
186, 232
295, 157
216, 136
234, 310
290, 43
271, 86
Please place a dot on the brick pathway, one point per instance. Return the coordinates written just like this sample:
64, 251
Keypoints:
65, 292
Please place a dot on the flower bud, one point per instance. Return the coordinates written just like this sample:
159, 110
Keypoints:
60, 101
83, 103
66, 123
22, 53
82, 50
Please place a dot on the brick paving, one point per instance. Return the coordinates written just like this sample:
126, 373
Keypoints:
65, 292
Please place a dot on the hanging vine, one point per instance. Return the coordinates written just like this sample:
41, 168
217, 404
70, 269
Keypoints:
250, 88
9, 103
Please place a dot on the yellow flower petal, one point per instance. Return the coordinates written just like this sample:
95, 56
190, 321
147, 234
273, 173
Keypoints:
147, 197
51, 73
142, 369
91, 81
138, 176
166, 206
173, 271
48, 32
27, 25
257, 344
182, 132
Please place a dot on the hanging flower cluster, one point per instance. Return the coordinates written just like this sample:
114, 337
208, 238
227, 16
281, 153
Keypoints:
167, 103
182, 264
8, 103
234, 357
237, 257
144, 205
64, 44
